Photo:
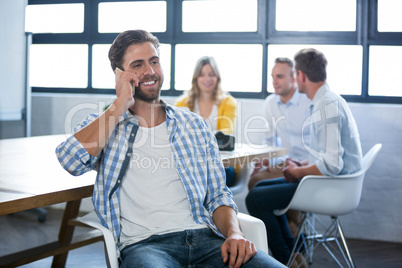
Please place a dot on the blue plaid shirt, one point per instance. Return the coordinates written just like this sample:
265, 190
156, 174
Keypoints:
196, 155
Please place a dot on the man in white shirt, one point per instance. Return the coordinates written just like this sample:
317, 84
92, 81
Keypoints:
285, 112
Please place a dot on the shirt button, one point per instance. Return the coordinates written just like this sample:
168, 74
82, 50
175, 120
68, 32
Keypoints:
132, 134
128, 154
118, 181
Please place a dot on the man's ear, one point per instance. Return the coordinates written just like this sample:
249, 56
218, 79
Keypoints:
302, 75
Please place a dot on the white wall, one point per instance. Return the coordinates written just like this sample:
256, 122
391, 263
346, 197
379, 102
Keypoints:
378, 216
12, 58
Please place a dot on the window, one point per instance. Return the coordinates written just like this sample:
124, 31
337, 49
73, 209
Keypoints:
59, 65
388, 11
62, 18
315, 15
361, 39
384, 68
226, 16
116, 17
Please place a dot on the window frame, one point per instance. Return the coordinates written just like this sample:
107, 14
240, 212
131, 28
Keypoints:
366, 34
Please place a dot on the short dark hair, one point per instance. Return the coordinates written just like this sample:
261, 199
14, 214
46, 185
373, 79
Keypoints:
126, 39
313, 63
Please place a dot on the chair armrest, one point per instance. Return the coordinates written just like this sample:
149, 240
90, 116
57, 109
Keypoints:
91, 219
254, 230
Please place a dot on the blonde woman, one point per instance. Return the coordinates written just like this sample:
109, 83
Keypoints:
207, 98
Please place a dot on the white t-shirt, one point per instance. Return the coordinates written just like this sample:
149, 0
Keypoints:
212, 119
152, 196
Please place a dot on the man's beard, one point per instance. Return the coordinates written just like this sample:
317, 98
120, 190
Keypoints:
148, 96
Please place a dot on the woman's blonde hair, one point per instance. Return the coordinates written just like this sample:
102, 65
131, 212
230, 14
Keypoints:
194, 92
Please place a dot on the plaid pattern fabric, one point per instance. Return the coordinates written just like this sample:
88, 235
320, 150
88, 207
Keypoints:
196, 156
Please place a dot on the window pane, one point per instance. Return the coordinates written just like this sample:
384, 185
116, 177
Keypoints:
344, 69
102, 73
61, 18
384, 67
223, 16
59, 66
239, 73
388, 11
315, 15
120, 16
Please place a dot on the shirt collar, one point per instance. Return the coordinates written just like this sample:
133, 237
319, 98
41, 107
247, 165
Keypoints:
170, 110
293, 100
128, 116
320, 92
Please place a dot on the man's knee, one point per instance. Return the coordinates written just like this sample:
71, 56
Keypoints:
263, 260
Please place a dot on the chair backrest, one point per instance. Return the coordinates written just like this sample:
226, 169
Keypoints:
334, 196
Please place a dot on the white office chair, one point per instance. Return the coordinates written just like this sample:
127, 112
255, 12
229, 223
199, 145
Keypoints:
331, 196
253, 229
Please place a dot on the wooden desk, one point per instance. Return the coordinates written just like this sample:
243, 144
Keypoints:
31, 177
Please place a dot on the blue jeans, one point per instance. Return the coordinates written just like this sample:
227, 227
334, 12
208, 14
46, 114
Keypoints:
261, 201
190, 248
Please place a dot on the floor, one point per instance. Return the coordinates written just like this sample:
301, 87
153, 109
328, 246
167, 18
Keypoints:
14, 229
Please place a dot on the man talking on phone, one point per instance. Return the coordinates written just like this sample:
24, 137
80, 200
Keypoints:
160, 185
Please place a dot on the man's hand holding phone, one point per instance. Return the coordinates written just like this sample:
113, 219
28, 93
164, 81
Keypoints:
125, 88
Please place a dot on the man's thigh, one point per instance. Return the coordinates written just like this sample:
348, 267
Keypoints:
159, 251
190, 248
149, 256
210, 255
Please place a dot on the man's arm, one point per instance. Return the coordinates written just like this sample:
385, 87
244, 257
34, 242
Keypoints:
95, 136
235, 247
295, 170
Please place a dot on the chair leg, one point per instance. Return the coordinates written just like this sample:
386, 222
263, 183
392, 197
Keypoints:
331, 235
311, 234
345, 245
308, 236
297, 246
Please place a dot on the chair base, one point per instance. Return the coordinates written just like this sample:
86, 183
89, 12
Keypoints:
308, 238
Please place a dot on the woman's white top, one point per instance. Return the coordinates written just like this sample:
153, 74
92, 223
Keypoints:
212, 119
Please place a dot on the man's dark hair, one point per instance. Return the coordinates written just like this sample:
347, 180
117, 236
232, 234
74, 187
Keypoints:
313, 63
126, 39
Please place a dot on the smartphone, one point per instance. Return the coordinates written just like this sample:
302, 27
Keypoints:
117, 71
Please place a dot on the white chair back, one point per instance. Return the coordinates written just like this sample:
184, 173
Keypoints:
334, 196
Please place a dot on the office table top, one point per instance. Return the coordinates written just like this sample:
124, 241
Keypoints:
246, 153
31, 176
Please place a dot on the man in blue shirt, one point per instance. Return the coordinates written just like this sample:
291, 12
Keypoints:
160, 185
334, 149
